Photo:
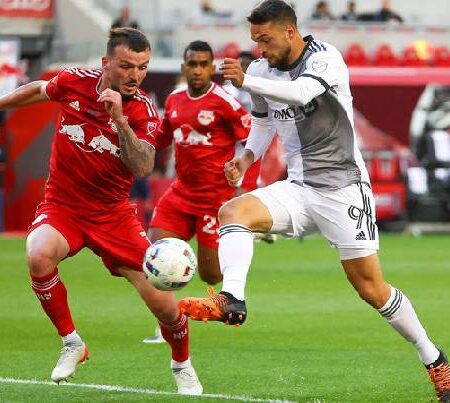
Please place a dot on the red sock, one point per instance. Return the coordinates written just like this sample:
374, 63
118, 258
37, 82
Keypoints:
177, 335
52, 295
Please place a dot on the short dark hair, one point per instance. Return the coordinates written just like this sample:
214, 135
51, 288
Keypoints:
273, 11
198, 46
245, 54
132, 38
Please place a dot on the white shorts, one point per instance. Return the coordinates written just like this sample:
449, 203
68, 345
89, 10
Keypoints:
345, 217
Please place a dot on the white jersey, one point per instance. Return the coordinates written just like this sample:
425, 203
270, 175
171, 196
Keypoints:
309, 106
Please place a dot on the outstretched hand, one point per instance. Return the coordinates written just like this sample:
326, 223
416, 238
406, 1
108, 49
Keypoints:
113, 103
232, 70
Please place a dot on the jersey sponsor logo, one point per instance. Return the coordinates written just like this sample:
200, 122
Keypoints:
205, 117
102, 143
298, 113
319, 65
75, 105
284, 114
186, 135
99, 143
75, 133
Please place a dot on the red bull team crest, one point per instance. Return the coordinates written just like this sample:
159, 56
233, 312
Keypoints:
205, 117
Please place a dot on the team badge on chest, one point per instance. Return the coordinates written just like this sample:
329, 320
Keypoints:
205, 117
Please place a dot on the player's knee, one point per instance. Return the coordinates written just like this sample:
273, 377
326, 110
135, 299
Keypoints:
40, 262
371, 295
232, 212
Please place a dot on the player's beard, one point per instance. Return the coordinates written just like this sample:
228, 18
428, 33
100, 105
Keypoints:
125, 97
282, 62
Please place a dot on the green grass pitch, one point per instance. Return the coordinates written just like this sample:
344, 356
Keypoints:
308, 337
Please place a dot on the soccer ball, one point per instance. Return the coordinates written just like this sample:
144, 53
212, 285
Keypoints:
169, 264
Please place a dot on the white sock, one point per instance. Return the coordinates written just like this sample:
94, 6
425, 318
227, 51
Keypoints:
402, 317
235, 256
72, 339
180, 365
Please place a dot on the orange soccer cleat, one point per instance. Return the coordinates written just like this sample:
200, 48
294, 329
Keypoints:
439, 373
222, 307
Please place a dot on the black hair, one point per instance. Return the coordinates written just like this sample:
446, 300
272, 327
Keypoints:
245, 54
273, 11
198, 46
132, 38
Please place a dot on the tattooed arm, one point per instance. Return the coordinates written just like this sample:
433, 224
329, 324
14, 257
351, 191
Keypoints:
138, 156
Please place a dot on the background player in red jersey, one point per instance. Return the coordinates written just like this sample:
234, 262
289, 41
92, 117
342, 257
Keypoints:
205, 123
104, 137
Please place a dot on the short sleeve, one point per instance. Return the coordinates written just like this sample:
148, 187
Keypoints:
147, 123
56, 89
239, 121
164, 136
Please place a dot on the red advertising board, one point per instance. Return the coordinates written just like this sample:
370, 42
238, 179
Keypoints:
26, 8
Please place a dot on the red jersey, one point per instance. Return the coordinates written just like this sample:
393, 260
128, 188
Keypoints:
205, 131
86, 171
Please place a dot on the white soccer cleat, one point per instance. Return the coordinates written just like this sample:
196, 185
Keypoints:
157, 338
187, 381
66, 365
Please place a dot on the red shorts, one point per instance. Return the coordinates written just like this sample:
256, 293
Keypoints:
172, 215
116, 236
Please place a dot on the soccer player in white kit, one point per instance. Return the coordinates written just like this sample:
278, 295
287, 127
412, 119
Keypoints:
300, 91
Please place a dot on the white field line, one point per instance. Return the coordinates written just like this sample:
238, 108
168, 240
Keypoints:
117, 388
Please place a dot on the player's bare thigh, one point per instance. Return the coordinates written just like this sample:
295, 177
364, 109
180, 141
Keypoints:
246, 210
46, 247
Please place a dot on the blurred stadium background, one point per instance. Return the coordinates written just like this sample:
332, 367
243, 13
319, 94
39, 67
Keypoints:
400, 77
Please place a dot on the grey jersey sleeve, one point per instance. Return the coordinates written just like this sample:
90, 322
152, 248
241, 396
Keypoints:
260, 108
261, 134
323, 71
261, 131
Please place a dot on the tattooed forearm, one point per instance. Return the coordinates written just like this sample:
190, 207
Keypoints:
138, 156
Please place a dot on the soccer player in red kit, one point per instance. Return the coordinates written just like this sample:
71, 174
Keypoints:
205, 123
104, 137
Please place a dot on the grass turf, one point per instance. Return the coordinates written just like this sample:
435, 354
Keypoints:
308, 337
